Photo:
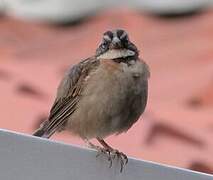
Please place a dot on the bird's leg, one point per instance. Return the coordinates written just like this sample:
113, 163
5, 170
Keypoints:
98, 148
121, 156
91, 145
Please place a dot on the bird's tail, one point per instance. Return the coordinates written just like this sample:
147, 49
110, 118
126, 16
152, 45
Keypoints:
42, 132
39, 132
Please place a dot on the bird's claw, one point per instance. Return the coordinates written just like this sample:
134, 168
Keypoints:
112, 154
122, 157
107, 152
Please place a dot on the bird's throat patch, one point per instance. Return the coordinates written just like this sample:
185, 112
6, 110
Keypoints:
116, 53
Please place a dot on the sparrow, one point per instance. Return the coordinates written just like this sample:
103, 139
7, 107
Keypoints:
102, 95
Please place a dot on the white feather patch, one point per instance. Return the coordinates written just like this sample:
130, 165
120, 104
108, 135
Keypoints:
116, 53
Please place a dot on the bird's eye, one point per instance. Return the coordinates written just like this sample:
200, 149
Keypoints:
104, 45
125, 41
108, 35
125, 38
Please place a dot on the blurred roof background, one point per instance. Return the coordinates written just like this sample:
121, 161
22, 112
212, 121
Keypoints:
38, 42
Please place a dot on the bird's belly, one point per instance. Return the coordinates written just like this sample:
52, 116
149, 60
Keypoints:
111, 102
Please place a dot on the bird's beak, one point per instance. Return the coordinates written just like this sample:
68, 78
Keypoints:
116, 43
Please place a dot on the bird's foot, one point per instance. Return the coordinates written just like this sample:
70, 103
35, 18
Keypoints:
101, 150
121, 157
112, 154
98, 148
106, 152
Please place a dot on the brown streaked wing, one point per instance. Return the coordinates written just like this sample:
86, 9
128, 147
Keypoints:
68, 95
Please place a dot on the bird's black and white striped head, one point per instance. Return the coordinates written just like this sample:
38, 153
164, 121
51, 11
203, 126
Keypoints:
116, 44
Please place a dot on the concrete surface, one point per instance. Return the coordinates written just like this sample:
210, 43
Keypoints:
25, 157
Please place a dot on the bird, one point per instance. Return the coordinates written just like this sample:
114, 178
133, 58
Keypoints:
102, 95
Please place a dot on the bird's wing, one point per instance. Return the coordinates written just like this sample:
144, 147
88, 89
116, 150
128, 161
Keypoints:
67, 97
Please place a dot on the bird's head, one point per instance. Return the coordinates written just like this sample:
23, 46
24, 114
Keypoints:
116, 44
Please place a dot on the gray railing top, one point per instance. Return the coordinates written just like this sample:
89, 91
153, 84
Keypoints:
23, 157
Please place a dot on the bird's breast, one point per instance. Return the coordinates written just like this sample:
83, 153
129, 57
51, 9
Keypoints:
108, 91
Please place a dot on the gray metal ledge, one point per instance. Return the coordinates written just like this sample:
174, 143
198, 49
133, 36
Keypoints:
23, 157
